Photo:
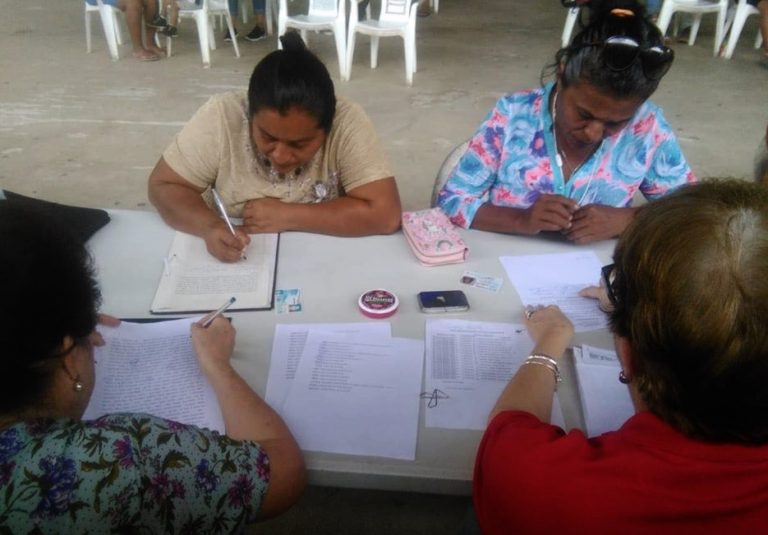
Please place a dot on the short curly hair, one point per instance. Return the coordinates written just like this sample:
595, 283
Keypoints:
48, 292
691, 287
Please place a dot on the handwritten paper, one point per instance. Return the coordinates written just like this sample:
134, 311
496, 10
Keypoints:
555, 279
468, 365
195, 281
152, 368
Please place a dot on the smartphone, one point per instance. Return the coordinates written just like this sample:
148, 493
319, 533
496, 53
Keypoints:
443, 301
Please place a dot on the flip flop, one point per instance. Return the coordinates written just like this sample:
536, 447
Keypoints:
150, 57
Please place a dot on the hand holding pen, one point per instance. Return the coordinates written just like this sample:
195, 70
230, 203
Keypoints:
208, 318
227, 244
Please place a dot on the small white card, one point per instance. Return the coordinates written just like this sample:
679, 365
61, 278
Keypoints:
478, 280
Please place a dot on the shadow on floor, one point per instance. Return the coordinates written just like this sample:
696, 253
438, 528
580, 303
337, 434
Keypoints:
366, 512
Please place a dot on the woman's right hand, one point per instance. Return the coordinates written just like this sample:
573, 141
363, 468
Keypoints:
214, 344
222, 244
550, 329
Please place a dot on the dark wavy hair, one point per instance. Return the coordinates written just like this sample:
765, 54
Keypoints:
691, 293
581, 62
48, 292
293, 77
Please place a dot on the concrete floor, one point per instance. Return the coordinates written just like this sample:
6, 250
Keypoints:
78, 128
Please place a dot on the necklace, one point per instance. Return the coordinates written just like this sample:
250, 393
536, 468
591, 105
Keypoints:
560, 157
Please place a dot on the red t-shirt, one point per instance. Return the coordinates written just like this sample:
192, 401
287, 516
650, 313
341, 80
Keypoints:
532, 477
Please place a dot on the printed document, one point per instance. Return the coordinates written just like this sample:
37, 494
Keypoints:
194, 281
358, 396
604, 400
555, 279
468, 365
288, 345
152, 368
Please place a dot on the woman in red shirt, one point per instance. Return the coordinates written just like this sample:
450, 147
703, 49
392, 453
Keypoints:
689, 290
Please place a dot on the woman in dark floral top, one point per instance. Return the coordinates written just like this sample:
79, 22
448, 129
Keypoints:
126, 473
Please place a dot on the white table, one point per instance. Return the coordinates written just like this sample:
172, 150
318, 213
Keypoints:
332, 273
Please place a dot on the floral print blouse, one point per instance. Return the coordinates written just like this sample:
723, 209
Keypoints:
127, 473
510, 161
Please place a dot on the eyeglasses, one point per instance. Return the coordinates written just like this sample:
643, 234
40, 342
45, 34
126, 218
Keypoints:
620, 53
609, 278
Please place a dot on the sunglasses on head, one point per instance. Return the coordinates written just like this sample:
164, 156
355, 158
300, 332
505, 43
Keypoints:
619, 53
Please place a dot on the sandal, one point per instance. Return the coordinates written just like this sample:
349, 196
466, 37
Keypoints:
424, 9
146, 56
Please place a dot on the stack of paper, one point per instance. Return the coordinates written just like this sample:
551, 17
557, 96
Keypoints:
468, 365
347, 388
605, 402
556, 279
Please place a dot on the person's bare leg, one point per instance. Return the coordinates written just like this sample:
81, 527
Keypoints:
133, 10
150, 10
762, 6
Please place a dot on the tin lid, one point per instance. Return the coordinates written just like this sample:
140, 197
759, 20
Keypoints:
378, 303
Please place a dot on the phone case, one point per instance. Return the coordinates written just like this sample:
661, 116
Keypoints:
433, 238
445, 301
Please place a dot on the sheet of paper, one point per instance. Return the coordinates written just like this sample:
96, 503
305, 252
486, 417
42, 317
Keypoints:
604, 400
358, 396
468, 365
288, 344
555, 279
152, 368
195, 281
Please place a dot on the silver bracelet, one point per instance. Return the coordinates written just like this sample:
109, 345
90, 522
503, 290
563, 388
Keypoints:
547, 361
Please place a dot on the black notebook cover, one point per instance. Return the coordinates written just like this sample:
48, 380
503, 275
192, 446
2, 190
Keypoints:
82, 222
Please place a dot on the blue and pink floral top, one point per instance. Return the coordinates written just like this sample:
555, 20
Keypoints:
509, 161
127, 473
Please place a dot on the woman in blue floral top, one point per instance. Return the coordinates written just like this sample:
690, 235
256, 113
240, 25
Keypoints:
570, 156
126, 473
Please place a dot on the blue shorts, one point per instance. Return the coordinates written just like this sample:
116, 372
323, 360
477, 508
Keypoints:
112, 3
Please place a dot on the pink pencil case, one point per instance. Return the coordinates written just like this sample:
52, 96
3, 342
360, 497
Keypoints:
433, 238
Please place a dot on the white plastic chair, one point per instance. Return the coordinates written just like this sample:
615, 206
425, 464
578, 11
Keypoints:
321, 15
697, 8
737, 16
108, 15
397, 18
202, 16
570, 24
446, 169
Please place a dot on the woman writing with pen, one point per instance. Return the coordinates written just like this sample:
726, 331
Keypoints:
569, 156
286, 155
126, 472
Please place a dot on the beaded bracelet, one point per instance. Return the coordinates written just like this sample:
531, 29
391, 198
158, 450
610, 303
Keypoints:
547, 361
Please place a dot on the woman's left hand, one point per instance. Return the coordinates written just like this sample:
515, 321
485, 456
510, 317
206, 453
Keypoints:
599, 293
102, 319
264, 215
596, 222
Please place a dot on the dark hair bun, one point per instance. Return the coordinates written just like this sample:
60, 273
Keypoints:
292, 42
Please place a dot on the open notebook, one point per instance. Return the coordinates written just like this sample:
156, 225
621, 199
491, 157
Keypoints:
194, 281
